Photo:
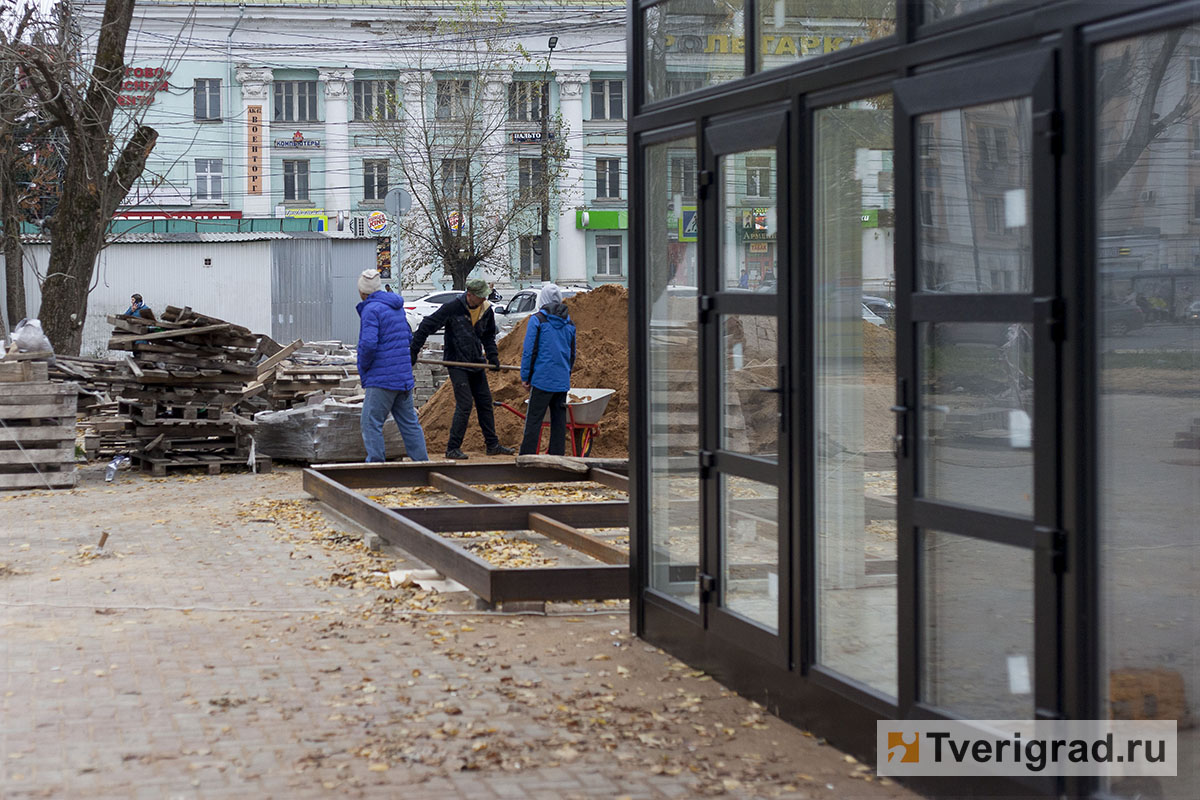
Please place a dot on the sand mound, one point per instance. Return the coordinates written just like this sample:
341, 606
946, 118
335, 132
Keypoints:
602, 361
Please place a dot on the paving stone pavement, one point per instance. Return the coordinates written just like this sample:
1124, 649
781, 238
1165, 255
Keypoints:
216, 654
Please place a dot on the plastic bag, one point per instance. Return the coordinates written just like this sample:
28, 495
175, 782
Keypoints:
30, 338
118, 462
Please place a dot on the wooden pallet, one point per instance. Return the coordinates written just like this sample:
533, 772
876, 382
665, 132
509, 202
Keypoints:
37, 435
158, 467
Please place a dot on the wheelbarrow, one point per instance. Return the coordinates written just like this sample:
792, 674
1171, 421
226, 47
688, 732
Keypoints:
584, 409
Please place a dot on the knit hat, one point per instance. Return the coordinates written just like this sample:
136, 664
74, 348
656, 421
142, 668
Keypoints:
478, 287
369, 282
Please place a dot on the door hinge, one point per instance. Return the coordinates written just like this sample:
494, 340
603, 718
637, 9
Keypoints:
1050, 314
708, 585
708, 460
1048, 125
1053, 543
704, 179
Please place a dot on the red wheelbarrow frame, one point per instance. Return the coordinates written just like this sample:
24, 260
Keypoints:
585, 440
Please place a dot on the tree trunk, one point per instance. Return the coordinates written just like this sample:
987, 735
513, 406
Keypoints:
14, 273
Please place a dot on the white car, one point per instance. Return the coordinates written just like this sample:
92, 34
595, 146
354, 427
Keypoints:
524, 303
417, 310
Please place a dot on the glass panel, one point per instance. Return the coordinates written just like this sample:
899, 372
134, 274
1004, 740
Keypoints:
674, 479
976, 415
973, 199
1148, 300
977, 627
750, 418
940, 9
692, 44
797, 30
855, 387
750, 549
749, 223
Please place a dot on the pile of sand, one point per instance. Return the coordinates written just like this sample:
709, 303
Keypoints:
601, 362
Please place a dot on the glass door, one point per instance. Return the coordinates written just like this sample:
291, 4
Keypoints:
745, 580
977, 396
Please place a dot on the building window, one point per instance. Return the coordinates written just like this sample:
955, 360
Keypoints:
295, 101
454, 177
758, 177
375, 179
684, 82
608, 255
452, 99
525, 101
608, 177
208, 178
374, 100
995, 214
531, 178
1194, 69
295, 180
925, 139
926, 207
683, 176
608, 100
531, 255
208, 99
993, 145
1196, 203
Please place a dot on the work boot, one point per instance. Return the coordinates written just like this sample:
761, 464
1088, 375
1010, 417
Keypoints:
456, 454
500, 450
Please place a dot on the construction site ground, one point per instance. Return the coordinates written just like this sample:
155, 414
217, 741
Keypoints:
233, 640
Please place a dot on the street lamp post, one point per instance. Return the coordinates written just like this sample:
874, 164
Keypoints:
544, 91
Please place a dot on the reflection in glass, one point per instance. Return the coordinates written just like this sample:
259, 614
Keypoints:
976, 412
1148, 340
749, 221
674, 388
693, 44
797, 30
940, 9
750, 550
749, 379
977, 627
973, 199
855, 386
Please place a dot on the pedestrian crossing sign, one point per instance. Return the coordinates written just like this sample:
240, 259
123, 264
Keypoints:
689, 225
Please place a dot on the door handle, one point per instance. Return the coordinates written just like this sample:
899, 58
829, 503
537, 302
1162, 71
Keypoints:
772, 390
899, 439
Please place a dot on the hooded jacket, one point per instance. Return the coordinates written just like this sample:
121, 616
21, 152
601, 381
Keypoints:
549, 354
462, 340
384, 339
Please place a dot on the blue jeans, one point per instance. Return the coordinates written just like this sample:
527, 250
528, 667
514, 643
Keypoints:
377, 404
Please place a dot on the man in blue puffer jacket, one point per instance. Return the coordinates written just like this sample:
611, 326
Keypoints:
385, 369
546, 365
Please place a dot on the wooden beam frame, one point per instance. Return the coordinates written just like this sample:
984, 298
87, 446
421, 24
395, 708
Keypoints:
415, 529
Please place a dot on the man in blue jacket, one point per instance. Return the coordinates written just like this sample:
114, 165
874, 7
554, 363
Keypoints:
546, 365
385, 370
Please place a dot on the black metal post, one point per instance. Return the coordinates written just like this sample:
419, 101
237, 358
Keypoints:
544, 91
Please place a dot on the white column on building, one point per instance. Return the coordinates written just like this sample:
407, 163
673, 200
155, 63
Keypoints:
337, 139
494, 151
412, 149
256, 86
572, 252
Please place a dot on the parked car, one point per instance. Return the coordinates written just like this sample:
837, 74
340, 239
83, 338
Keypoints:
1192, 314
870, 316
1119, 319
417, 310
881, 306
524, 303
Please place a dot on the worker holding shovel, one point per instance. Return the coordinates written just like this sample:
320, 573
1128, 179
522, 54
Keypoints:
470, 334
546, 364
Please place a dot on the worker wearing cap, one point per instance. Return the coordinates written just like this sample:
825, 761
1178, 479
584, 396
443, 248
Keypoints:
385, 370
470, 336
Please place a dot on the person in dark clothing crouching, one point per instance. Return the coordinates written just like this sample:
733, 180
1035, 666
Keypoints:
546, 365
470, 335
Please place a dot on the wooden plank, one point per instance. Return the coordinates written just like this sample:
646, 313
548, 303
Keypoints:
173, 334
36, 433
461, 490
558, 462
133, 367
38, 411
606, 582
446, 557
34, 480
515, 516
29, 356
38, 389
271, 362
39, 455
610, 479
577, 539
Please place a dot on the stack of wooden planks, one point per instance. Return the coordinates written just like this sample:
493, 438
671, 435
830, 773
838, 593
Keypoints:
37, 429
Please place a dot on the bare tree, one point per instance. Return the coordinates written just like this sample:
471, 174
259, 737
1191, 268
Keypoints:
101, 165
471, 200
